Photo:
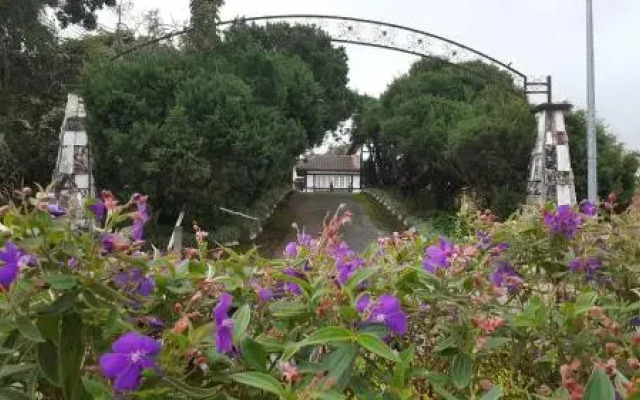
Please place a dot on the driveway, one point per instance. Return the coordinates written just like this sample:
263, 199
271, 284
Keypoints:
308, 210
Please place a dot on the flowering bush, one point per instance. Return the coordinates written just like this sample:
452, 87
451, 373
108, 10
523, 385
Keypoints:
543, 305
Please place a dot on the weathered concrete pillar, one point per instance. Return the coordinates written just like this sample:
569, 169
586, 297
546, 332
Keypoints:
551, 176
73, 181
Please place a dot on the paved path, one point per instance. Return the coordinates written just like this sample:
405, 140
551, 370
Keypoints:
369, 221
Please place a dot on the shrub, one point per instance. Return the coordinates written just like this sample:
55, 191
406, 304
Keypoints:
544, 303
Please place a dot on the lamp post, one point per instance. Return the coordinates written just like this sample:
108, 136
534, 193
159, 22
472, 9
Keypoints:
592, 155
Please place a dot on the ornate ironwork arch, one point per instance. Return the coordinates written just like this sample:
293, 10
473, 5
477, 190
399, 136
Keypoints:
384, 35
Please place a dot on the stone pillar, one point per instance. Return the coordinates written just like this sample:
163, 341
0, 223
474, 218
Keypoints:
551, 176
72, 178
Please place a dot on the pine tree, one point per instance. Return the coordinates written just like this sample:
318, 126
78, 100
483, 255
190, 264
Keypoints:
204, 19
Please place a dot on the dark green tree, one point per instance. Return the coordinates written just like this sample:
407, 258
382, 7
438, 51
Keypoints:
445, 127
35, 67
205, 15
313, 46
208, 132
617, 166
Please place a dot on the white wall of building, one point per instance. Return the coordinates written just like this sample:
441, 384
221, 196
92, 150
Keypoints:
321, 181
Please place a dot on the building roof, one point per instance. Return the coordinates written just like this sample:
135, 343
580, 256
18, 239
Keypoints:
327, 162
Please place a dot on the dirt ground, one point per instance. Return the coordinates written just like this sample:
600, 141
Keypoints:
369, 221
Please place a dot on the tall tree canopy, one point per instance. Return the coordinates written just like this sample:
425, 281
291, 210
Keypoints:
35, 65
617, 166
445, 126
197, 130
205, 15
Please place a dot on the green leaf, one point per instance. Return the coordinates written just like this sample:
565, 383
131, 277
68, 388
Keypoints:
329, 395
494, 394
375, 329
194, 392
10, 394
107, 293
585, 301
360, 276
338, 364
329, 334
261, 381
61, 281
599, 387
461, 370
289, 351
495, 342
49, 327
241, 320
8, 370
304, 285
48, 362
28, 329
433, 377
446, 395
399, 374
96, 389
71, 355
375, 345
288, 309
254, 355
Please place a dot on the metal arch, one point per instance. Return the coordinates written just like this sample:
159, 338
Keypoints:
384, 35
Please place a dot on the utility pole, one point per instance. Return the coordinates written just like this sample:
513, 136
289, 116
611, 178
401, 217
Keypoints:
592, 153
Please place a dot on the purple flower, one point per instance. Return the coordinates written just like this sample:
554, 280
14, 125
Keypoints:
72, 263
589, 209
56, 211
154, 322
591, 268
304, 239
112, 242
291, 250
563, 221
108, 242
505, 275
12, 259
265, 294
347, 262
30, 260
99, 210
224, 324
589, 265
140, 217
575, 265
438, 256
132, 280
485, 241
499, 249
347, 267
132, 354
362, 303
386, 310
635, 322
291, 287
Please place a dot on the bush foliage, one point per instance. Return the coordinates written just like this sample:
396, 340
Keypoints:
545, 304
201, 130
443, 127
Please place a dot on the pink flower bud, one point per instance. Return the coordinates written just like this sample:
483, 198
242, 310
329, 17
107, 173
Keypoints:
611, 347
485, 385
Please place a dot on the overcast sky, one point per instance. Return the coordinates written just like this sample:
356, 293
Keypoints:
541, 37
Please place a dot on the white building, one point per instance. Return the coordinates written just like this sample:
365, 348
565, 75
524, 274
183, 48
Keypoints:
328, 173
